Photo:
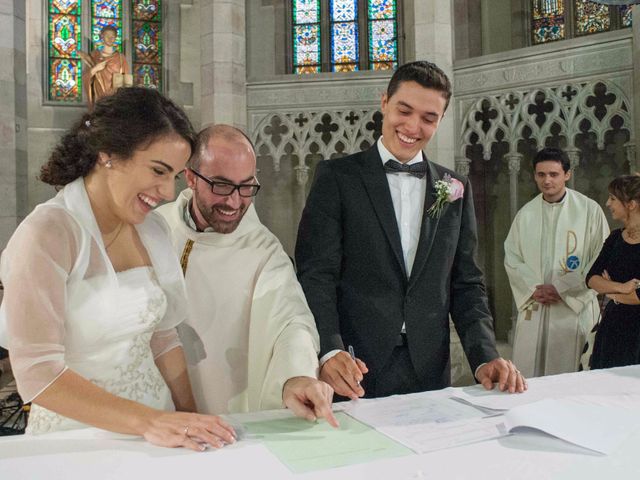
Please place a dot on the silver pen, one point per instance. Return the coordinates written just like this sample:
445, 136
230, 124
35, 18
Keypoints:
353, 357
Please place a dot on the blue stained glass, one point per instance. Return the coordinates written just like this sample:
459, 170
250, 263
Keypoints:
382, 9
306, 36
64, 70
306, 11
106, 9
344, 43
382, 41
547, 22
625, 11
552, 7
344, 10
307, 45
65, 74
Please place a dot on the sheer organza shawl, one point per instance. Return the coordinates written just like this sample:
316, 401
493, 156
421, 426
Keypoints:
57, 248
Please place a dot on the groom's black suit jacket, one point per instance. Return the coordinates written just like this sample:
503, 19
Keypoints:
351, 267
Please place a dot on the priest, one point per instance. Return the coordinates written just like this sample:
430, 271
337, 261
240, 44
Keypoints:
250, 339
550, 247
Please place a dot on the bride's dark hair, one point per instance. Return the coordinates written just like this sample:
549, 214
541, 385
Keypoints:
118, 125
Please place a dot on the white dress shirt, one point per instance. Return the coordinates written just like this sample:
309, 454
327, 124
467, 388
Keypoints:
407, 196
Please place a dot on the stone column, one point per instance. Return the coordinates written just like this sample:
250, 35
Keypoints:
463, 165
574, 160
514, 160
630, 151
223, 96
429, 36
13, 117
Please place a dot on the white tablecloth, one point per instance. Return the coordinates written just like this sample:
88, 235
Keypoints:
95, 454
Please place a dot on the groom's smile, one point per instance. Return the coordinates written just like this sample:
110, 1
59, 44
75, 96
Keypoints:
411, 117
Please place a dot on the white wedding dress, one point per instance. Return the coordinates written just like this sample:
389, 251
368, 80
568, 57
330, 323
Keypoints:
111, 346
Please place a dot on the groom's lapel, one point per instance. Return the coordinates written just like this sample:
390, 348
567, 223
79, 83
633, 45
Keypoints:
428, 226
375, 181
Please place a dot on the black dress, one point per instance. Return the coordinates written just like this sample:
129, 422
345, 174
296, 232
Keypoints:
617, 341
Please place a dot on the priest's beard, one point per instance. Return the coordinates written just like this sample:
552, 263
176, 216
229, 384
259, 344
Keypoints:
217, 220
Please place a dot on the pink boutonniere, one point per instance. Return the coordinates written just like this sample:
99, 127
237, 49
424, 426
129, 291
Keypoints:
448, 190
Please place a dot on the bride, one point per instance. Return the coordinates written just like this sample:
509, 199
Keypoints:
93, 292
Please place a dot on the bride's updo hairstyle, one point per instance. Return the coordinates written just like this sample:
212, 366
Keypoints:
130, 119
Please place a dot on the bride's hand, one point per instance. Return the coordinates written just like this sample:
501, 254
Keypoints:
189, 430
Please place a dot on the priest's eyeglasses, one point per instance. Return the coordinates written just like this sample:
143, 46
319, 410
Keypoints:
227, 188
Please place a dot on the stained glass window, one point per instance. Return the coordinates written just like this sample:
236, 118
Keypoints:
383, 35
591, 17
306, 36
558, 19
344, 35
106, 13
625, 12
64, 65
548, 20
147, 43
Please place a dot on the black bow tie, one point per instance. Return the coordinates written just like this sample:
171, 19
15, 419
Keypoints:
418, 169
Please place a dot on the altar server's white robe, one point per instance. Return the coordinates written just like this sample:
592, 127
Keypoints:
553, 243
249, 327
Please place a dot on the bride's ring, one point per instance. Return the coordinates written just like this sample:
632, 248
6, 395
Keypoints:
186, 431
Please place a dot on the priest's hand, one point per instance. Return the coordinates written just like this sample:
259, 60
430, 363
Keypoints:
546, 295
309, 398
504, 373
344, 374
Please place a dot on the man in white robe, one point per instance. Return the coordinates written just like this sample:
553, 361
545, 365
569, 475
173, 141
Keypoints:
552, 243
250, 338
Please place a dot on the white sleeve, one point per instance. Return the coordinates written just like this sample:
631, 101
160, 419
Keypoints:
34, 270
522, 278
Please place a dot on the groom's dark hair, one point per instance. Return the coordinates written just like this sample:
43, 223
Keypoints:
425, 74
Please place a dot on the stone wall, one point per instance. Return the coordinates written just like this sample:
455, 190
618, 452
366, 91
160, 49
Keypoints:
13, 116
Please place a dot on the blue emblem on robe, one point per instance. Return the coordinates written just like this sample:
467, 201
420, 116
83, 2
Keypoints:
573, 262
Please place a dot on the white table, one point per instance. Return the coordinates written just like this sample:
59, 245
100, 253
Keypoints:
95, 454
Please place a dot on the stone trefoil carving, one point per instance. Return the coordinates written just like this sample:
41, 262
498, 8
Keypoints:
321, 134
571, 108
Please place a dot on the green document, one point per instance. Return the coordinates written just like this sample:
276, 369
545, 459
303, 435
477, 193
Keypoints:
305, 446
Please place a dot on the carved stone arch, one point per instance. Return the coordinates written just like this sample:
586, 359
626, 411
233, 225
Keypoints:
620, 106
477, 116
540, 132
566, 105
330, 132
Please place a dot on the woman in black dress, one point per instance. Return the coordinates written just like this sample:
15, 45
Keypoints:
615, 273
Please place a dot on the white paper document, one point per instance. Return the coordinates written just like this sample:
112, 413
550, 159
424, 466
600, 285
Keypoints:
426, 422
600, 423
623, 380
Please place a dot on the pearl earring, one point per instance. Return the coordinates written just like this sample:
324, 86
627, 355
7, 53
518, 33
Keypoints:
108, 164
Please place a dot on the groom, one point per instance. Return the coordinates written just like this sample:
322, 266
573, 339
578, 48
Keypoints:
381, 272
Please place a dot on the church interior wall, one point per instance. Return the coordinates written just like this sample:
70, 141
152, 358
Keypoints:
226, 61
578, 95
